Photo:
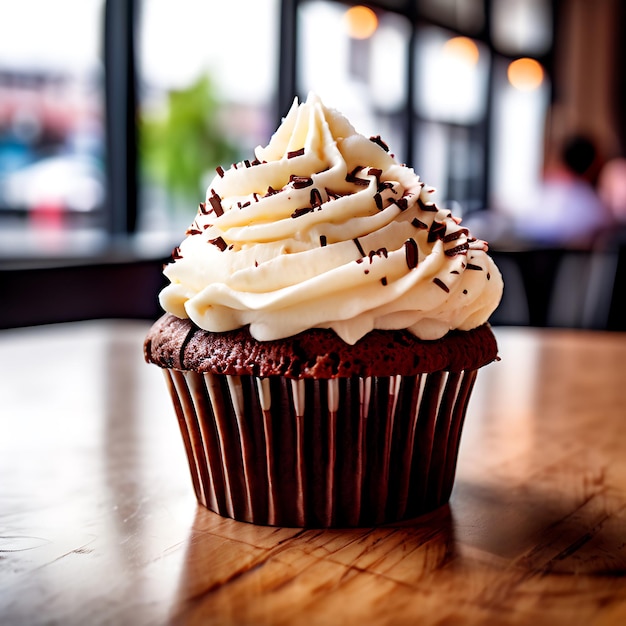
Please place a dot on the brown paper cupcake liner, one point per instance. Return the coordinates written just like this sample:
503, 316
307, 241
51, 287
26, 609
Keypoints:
341, 452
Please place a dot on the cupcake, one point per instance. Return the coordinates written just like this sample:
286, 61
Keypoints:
324, 324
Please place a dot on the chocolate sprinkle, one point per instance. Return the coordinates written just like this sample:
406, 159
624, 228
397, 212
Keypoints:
471, 266
380, 142
353, 178
432, 208
437, 231
455, 235
332, 195
216, 203
316, 198
220, 170
300, 182
219, 242
202, 208
460, 249
383, 280
441, 284
411, 253
419, 224
374, 171
357, 243
302, 211
380, 252
295, 153
322, 241
176, 254
403, 205
378, 199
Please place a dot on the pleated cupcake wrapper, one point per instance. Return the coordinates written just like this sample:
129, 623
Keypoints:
321, 453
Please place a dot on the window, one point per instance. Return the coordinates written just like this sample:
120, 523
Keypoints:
431, 77
466, 16
362, 73
521, 27
519, 113
207, 98
206, 94
51, 125
451, 96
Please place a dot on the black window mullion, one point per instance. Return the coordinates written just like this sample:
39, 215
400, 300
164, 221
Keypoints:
287, 56
121, 111
485, 127
410, 113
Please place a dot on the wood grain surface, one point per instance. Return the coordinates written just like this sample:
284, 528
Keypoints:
99, 525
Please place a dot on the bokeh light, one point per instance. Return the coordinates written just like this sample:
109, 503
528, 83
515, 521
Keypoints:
462, 49
360, 21
525, 74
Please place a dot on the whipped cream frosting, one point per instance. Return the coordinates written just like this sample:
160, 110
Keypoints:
325, 229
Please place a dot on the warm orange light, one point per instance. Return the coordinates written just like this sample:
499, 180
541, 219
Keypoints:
463, 49
361, 22
525, 74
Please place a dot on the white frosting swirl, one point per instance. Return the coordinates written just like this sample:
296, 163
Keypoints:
325, 229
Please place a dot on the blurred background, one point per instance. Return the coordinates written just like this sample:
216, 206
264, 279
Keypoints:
115, 113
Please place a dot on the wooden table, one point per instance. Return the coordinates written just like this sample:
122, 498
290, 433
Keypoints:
98, 523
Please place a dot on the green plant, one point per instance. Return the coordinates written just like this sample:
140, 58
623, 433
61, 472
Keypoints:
181, 147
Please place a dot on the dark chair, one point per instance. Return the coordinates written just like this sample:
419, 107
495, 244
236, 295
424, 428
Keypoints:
567, 305
604, 305
513, 308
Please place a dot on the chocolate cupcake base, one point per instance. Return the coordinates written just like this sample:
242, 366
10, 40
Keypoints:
336, 452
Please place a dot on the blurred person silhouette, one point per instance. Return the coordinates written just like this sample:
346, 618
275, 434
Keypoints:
612, 188
568, 211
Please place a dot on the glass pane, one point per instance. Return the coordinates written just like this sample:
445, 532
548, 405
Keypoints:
451, 80
451, 159
51, 123
517, 140
463, 15
522, 26
207, 98
432, 163
361, 74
